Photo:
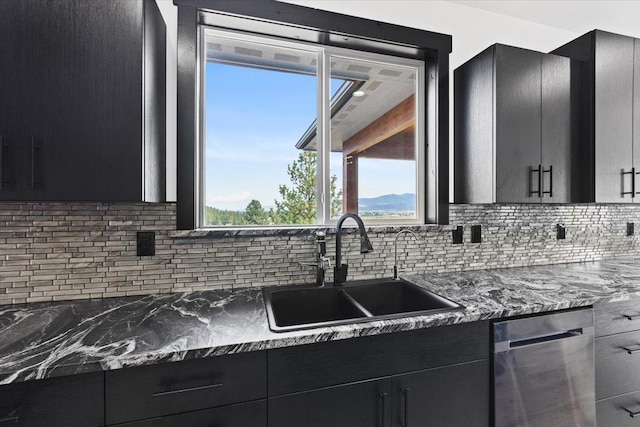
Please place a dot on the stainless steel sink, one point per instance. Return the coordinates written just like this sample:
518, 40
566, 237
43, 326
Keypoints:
304, 307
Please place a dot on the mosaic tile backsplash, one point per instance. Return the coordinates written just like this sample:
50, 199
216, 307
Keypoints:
58, 251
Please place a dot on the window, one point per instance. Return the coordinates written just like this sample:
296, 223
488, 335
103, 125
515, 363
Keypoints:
297, 134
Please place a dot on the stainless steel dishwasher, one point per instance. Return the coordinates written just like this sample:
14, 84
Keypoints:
544, 371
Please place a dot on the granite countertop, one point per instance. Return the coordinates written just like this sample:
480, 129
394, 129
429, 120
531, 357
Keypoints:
53, 339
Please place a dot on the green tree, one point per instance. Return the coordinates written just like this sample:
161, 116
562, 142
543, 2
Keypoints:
255, 214
298, 201
215, 216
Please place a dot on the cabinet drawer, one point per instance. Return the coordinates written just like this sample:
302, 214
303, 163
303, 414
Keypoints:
617, 317
353, 405
171, 388
252, 414
617, 370
76, 400
614, 412
306, 367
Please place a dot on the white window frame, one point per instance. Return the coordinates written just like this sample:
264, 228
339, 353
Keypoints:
323, 134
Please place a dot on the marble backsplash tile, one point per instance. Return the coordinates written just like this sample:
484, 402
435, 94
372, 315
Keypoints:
59, 251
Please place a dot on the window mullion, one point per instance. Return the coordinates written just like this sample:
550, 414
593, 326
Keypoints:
324, 135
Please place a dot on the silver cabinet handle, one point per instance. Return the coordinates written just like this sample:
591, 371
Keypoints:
631, 350
632, 414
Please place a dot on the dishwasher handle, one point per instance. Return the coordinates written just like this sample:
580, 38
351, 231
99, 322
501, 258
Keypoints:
539, 339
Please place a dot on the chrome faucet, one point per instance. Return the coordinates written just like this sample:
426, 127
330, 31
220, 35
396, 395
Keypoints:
340, 270
395, 250
321, 257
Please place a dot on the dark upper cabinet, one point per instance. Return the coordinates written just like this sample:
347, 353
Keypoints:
513, 136
82, 111
609, 118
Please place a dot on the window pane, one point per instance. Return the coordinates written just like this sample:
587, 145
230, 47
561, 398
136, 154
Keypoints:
259, 101
373, 139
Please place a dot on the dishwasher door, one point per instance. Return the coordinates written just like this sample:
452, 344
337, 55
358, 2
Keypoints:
544, 371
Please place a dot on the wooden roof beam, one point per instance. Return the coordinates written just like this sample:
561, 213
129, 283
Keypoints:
397, 120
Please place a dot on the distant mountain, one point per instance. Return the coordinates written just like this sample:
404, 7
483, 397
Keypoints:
388, 203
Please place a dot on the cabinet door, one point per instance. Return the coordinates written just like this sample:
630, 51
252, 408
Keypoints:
455, 395
76, 87
253, 414
14, 111
365, 404
518, 116
556, 129
636, 114
616, 412
613, 117
72, 401
85, 75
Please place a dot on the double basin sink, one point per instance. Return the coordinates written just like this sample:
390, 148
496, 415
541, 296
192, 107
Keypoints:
304, 307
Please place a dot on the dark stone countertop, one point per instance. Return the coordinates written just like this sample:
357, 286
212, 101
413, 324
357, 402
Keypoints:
53, 339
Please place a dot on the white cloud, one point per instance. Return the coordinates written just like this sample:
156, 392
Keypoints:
243, 196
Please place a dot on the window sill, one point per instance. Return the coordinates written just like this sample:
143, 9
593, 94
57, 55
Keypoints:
217, 233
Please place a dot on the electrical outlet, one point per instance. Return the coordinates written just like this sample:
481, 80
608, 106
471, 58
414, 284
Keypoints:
146, 243
457, 235
476, 234
630, 229
561, 232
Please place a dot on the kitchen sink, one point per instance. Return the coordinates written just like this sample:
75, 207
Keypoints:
385, 297
311, 306
303, 307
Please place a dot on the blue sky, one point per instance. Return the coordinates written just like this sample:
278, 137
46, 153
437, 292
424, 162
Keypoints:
253, 120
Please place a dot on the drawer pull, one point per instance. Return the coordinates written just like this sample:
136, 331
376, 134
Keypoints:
630, 317
186, 390
632, 414
631, 350
10, 420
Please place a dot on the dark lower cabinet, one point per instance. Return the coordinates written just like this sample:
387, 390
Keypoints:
435, 377
253, 414
455, 395
72, 401
364, 404
173, 388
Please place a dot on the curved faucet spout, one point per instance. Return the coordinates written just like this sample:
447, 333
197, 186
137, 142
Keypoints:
340, 270
395, 249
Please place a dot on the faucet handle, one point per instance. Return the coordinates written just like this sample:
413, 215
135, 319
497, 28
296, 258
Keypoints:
321, 241
340, 274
